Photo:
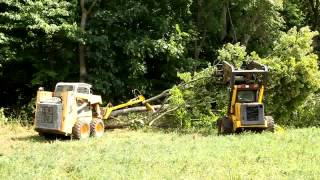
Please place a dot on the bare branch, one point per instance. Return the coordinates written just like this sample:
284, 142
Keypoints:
235, 39
91, 7
162, 94
194, 80
161, 115
135, 109
83, 8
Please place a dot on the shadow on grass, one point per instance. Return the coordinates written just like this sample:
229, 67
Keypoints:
42, 139
47, 138
180, 131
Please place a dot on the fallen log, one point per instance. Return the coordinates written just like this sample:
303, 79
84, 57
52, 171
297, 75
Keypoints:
162, 94
135, 109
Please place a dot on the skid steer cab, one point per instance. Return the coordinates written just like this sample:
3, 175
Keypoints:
70, 110
246, 107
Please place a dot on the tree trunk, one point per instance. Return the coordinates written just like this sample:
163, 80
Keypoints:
136, 109
82, 46
246, 39
316, 15
82, 49
199, 24
314, 4
224, 20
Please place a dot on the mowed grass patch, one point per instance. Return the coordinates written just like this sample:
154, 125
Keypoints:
124, 154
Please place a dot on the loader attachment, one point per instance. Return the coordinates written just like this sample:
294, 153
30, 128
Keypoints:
250, 73
139, 99
247, 86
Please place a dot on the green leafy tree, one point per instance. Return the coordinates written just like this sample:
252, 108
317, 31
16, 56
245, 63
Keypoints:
85, 13
294, 72
36, 40
137, 45
198, 101
233, 53
255, 24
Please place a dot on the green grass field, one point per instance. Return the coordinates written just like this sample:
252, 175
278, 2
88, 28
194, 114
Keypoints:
124, 154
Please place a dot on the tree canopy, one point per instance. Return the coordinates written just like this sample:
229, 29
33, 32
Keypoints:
151, 45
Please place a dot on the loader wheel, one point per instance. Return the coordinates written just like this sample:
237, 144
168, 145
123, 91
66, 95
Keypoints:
270, 123
81, 130
225, 126
47, 136
97, 128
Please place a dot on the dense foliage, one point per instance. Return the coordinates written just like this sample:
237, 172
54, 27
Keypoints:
294, 73
150, 45
291, 95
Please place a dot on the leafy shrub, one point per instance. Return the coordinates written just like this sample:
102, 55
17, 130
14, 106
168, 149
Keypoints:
233, 53
307, 114
195, 98
294, 74
291, 94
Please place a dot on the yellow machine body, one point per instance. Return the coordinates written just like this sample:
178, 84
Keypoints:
72, 108
235, 113
247, 88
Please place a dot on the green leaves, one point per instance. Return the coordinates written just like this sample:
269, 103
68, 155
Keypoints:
142, 45
195, 98
294, 81
294, 74
234, 54
36, 38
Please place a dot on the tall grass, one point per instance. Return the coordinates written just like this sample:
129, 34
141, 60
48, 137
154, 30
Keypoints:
122, 154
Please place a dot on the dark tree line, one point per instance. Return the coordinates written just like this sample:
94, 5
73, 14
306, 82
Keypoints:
131, 44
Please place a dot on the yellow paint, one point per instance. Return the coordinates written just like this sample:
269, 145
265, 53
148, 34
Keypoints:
234, 98
235, 110
149, 107
261, 91
236, 118
93, 99
133, 101
70, 114
42, 95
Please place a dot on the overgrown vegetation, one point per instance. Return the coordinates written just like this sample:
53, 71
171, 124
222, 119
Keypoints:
294, 74
291, 94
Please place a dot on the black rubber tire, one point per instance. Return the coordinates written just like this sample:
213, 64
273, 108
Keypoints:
270, 123
81, 130
97, 128
47, 136
225, 126
219, 121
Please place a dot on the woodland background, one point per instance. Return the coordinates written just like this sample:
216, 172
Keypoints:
149, 45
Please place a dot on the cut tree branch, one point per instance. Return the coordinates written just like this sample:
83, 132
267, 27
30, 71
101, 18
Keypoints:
194, 80
162, 94
134, 109
163, 114
91, 7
